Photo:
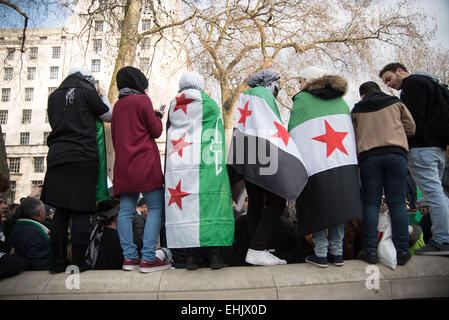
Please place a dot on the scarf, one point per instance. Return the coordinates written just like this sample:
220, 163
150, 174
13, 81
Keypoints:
43, 229
127, 91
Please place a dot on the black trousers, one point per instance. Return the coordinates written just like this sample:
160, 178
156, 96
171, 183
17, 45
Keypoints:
264, 212
80, 234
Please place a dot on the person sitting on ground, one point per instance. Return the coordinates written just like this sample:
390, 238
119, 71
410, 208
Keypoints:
30, 237
110, 253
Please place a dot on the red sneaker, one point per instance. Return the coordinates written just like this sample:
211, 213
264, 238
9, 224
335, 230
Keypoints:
131, 264
156, 265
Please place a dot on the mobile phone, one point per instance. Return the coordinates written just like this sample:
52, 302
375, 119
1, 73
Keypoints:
162, 107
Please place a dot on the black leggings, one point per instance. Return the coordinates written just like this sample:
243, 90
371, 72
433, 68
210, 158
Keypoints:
264, 212
80, 234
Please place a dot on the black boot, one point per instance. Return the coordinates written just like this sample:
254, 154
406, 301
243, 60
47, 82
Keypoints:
191, 260
215, 261
59, 261
79, 257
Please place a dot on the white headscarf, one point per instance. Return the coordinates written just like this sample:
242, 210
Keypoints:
312, 72
191, 80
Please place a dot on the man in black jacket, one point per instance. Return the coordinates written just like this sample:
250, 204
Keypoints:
30, 237
426, 158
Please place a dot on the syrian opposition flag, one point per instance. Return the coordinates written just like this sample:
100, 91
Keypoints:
262, 151
198, 204
324, 135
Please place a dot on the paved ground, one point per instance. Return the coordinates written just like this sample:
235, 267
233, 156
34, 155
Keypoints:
422, 277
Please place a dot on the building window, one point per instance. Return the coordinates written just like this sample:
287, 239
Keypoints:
146, 7
98, 25
146, 42
35, 183
6, 94
56, 54
4, 137
14, 165
39, 164
46, 134
24, 138
51, 90
8, 74
12, 187
31, 75
146, 24
3, 116
33, 53
46, 115
95, 65
10, 53
97, 45
144, 64
54, 72
29, 93
26, 116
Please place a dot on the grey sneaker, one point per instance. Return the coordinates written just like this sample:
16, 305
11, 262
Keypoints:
433, 249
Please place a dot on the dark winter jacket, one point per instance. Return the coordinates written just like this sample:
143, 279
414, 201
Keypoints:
32, 246
419, 95
72, 115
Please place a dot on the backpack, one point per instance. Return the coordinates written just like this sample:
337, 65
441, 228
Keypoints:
439, 116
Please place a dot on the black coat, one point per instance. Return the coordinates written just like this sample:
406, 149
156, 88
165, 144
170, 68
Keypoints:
31, 245
420, 97
73, 119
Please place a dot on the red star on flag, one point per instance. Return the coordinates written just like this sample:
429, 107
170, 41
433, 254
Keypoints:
177, 195
333, 139
179, 144
245, 113
182, 102
282, 133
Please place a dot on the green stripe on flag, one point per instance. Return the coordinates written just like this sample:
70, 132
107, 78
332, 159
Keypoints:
265, 94
320, 108
216, 214
102, 192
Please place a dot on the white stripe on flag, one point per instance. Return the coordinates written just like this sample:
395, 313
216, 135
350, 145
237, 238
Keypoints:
315, 152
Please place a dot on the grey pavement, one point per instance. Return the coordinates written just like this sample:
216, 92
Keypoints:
422, 277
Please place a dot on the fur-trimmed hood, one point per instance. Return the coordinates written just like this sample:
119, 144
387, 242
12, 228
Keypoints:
327, 87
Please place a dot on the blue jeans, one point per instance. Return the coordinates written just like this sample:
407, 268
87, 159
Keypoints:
426, 166
128, 202
334, 241
387, 172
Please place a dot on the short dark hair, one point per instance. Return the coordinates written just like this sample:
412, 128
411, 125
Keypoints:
392, 67
368, 87
29, 207
141, 202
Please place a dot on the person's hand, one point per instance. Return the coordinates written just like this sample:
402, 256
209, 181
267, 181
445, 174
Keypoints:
12, 252
36, 191
101, 92
161, 112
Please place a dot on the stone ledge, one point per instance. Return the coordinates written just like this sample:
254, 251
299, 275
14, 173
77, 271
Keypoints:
422, 277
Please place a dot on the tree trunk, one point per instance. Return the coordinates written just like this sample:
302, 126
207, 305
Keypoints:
125, 57
229, 98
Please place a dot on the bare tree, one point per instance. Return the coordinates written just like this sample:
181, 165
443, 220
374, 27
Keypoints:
233, 39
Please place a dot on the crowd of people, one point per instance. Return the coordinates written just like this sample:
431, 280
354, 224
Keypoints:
336, 170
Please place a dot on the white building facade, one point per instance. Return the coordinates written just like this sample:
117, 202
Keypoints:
27, 79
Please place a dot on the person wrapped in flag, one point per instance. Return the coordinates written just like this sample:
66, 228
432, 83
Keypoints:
320, 126
198, 203
263, 154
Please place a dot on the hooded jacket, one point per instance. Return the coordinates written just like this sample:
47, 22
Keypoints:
382, 124
73, 109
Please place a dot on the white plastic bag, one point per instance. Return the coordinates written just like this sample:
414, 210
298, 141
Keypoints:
385, 249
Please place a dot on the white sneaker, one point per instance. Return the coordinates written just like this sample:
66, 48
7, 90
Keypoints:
276, 259
262, 258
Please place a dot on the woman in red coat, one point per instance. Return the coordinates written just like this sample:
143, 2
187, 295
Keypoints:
137, 168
